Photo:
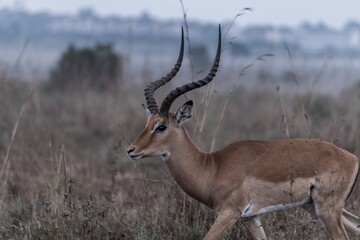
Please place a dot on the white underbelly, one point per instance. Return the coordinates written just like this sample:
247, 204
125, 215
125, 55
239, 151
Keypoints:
251, 210
265, 197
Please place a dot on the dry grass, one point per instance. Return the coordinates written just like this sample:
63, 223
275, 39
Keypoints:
68, 177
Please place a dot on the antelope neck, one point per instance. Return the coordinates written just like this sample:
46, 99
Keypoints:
192, 169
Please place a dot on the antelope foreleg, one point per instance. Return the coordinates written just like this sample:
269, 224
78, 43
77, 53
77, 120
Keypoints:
224, 220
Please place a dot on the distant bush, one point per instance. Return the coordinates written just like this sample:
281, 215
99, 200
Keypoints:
98, 68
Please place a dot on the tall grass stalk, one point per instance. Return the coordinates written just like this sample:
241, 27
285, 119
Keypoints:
301, 100
232, 88
6, 163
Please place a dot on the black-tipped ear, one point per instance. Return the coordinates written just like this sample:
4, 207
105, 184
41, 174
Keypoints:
147, 110
184, 113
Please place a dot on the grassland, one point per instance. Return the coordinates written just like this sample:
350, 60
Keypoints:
65, 175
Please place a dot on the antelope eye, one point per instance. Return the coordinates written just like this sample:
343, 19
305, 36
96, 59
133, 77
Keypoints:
160, 128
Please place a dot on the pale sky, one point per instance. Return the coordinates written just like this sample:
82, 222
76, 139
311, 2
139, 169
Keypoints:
279, 12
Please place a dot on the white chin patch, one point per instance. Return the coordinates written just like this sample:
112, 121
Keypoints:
165, 156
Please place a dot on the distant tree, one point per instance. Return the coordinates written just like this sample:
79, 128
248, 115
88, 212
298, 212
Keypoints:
98, 68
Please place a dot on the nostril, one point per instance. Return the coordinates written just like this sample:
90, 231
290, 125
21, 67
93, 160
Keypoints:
130, 150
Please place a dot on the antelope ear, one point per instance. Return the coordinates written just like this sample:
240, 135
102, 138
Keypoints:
147, 110
183, 113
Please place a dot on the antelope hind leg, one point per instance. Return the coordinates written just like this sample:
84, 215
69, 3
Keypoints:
254, 226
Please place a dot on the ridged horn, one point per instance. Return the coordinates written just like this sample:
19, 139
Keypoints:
153, 86
170, 98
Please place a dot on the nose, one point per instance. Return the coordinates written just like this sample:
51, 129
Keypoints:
130, 149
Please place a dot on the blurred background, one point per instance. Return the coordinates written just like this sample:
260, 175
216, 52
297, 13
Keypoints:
72, 75
36, 33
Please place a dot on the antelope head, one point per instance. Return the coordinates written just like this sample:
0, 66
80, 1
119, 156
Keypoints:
163, 127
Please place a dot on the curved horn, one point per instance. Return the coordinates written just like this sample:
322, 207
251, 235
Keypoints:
170, 98
151, 88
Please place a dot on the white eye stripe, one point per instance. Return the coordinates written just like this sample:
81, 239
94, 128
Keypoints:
156, 126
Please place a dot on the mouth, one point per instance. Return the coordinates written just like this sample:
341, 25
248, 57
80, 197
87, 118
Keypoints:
135, 156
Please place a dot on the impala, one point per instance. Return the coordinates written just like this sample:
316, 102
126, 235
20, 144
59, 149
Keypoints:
248, 178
